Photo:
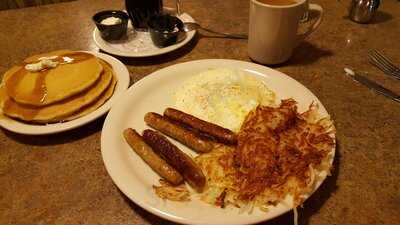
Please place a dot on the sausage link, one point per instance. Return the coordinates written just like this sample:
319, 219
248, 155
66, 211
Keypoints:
186, 137
158, 164
178, 159
223, 135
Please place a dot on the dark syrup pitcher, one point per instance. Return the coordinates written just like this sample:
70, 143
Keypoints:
141, 10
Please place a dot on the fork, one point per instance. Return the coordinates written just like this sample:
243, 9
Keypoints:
383, 63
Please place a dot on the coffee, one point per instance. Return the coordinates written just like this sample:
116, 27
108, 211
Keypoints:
278, 2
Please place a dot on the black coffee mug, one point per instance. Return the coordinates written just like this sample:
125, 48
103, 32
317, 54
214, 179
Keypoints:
140, 11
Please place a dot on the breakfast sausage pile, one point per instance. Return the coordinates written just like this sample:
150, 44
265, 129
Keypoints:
165, 158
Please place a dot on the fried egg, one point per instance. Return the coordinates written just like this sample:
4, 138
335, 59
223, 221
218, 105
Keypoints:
222, 96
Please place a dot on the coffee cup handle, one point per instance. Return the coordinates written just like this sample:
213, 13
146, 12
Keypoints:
313, 26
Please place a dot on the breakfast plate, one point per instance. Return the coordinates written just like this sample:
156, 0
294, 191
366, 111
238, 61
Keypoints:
139, 43
123, 78
153, 94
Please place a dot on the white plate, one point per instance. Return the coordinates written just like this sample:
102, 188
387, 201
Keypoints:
139, 44
153, 93
122, 74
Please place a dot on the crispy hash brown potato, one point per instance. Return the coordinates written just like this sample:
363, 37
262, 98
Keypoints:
278, 148
280, 152
173, 193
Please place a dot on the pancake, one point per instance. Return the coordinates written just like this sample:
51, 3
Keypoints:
95, 105
55, 112
52, 85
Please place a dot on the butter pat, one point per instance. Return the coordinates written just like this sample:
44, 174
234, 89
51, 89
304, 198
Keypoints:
44, 63
111, 21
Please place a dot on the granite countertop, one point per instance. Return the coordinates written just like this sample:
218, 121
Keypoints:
61, 178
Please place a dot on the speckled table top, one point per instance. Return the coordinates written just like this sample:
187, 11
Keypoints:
61, 179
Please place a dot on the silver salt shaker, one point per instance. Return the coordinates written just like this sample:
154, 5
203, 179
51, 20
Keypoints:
362, 11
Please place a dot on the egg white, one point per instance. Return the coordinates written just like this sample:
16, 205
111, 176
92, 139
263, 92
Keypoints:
222, 96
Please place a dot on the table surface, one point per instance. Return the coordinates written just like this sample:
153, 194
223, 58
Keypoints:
61, 179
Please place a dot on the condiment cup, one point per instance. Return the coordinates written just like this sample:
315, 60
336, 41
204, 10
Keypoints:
113, 31
165, 29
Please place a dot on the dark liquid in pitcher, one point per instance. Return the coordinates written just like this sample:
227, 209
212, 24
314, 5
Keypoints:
141, 10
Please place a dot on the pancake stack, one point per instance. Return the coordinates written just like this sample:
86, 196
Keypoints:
79, 84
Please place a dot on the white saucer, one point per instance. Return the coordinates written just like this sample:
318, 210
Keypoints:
122, 74
139, 43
